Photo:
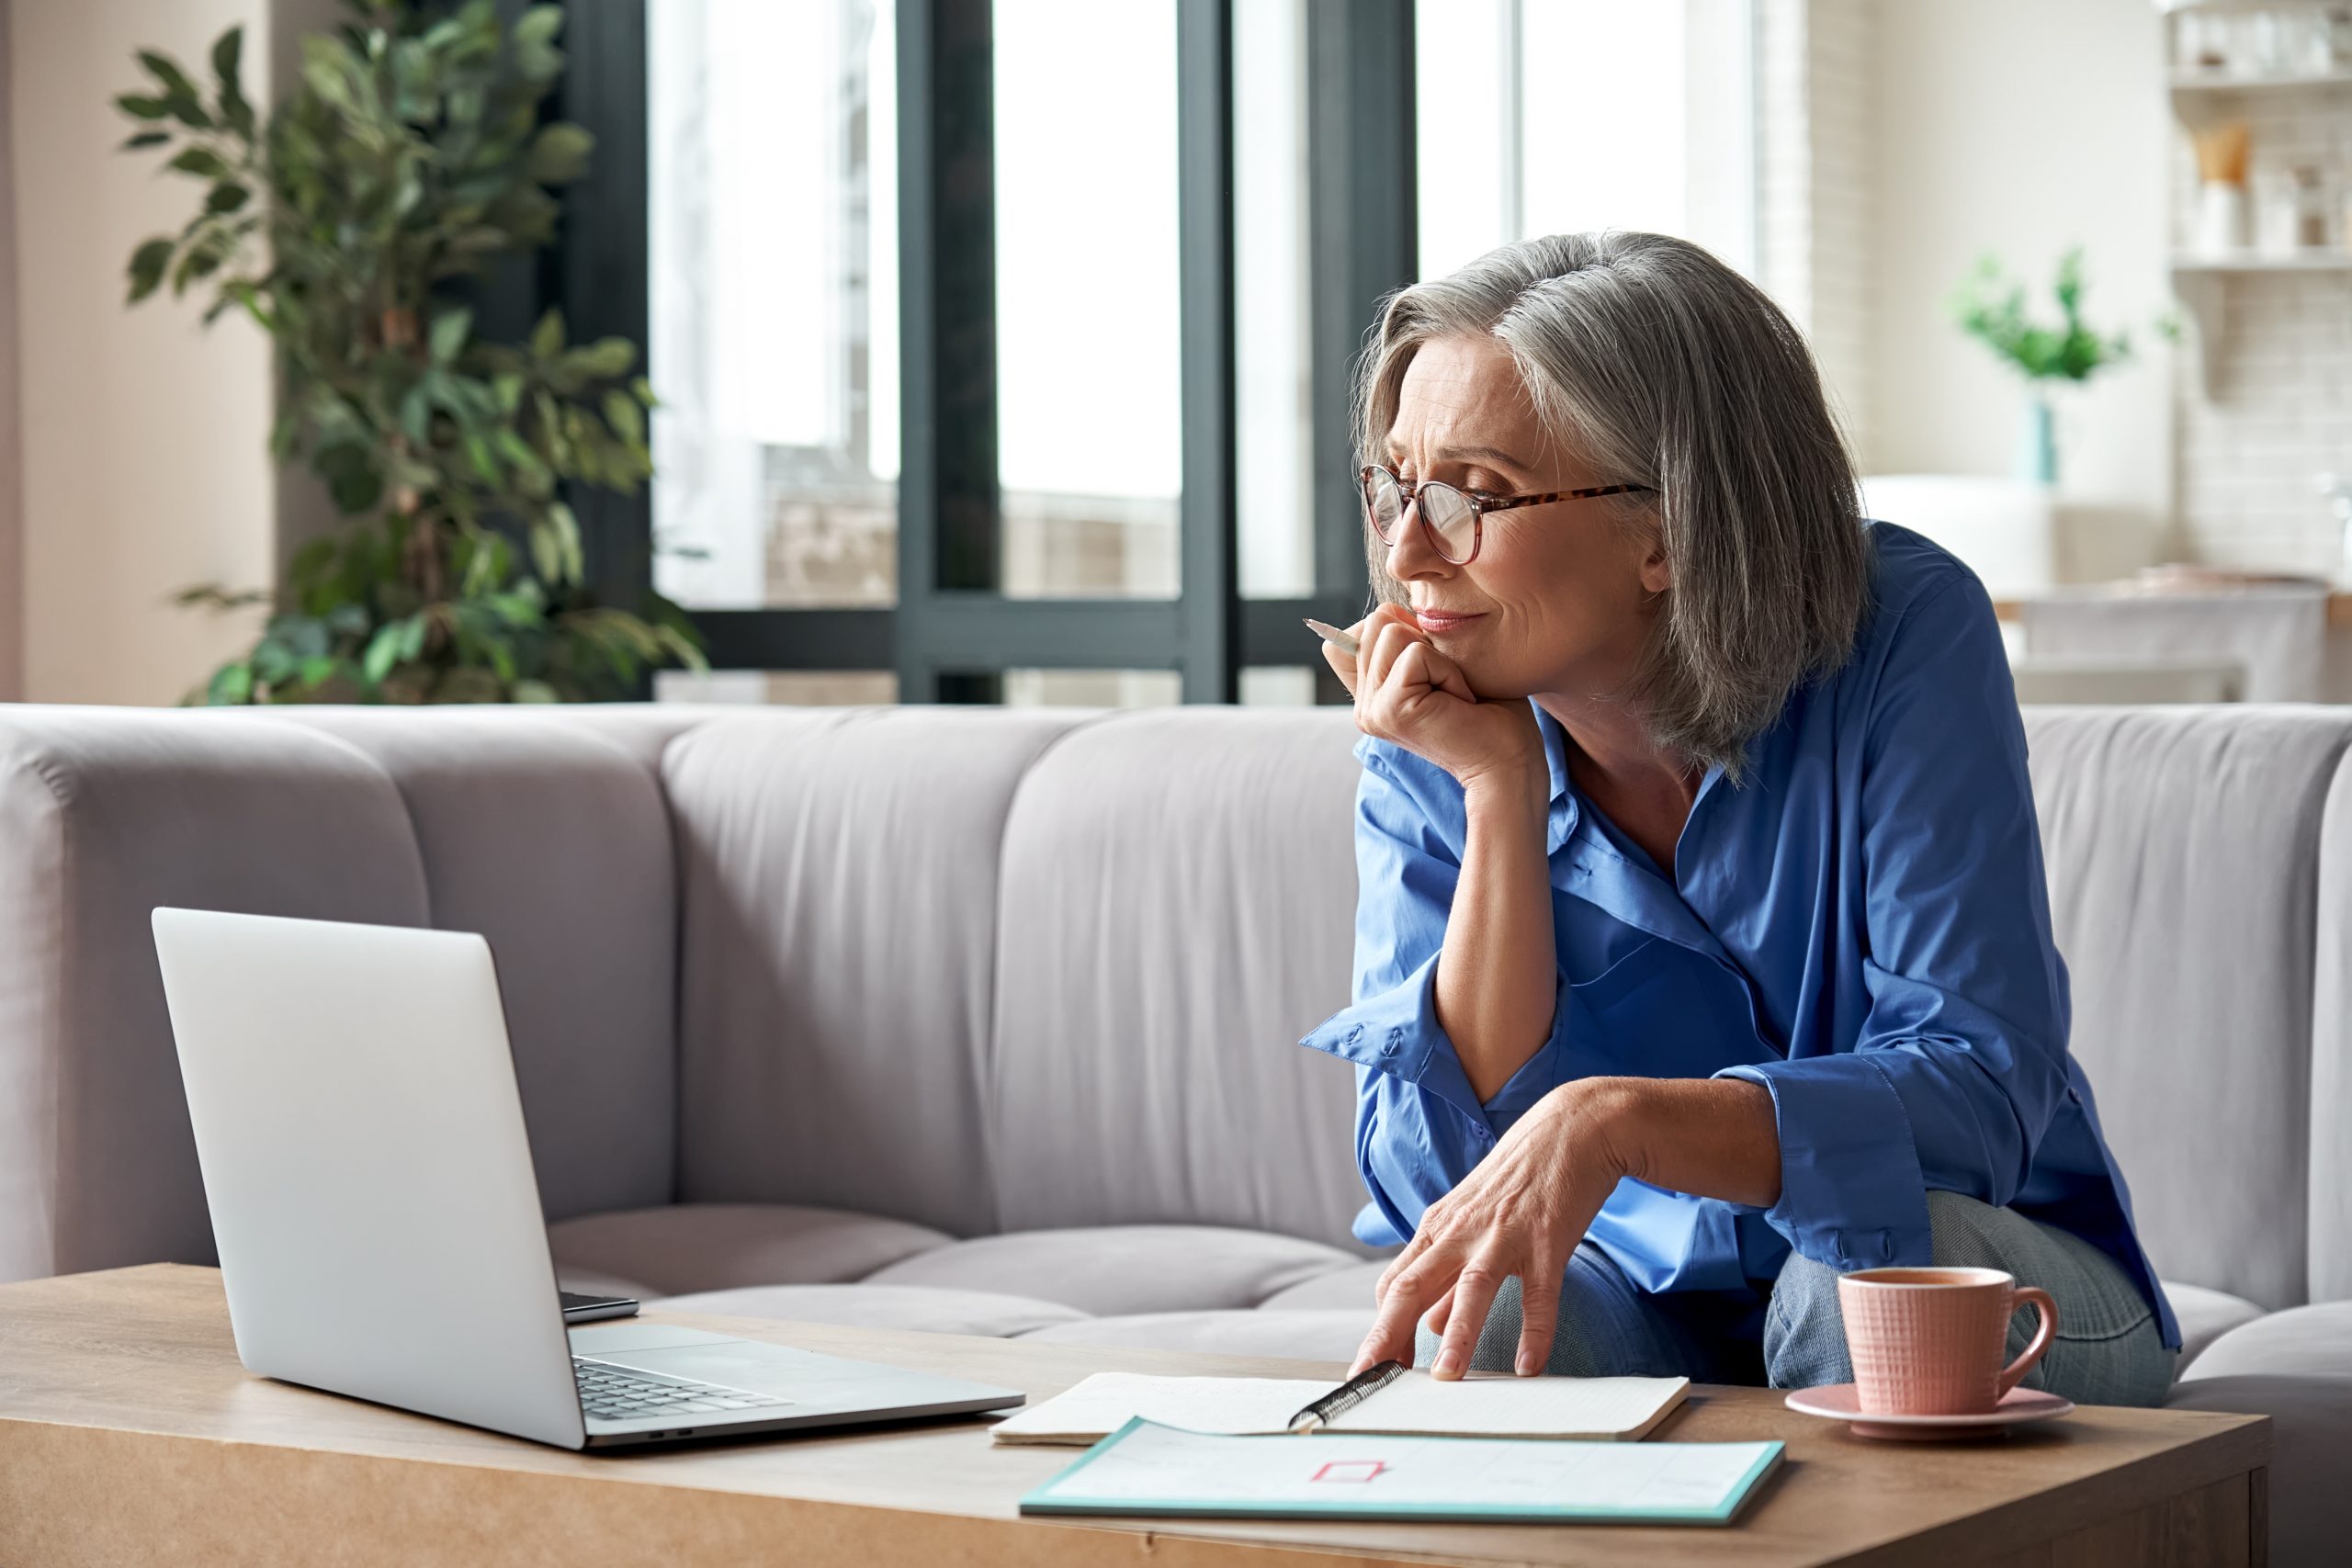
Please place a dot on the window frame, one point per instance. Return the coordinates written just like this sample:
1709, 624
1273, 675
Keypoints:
953, 633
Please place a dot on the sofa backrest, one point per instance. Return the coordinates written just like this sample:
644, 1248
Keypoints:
2183, 847
542, 832
989, 970
838, 929
1178, 905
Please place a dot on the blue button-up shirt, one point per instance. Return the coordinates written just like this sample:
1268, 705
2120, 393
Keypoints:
1862, 926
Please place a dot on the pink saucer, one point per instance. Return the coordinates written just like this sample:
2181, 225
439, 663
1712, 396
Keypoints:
2020, 1405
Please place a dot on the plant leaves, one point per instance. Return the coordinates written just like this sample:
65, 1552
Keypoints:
225, 198
538, 25
547, 338
201, 162
235, 111
559, 153
147, 264
167, 71
145, 139
383, 650
138, 106
450, 330
623, 414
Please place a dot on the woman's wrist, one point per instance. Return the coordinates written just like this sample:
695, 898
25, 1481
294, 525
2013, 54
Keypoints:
1513, 792
1611, 1116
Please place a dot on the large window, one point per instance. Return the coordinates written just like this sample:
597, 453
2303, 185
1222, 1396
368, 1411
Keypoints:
1548, 116
773, 247
1005, 346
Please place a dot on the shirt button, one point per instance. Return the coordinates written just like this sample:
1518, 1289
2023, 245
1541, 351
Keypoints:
1394, 1043
1885, 1246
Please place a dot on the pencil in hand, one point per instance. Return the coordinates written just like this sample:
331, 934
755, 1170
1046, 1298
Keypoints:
1333, 635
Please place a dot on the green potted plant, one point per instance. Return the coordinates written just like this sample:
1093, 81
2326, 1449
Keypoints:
410, 158
1990, 308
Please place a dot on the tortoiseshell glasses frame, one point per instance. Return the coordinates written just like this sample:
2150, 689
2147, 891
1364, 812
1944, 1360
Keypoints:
1444, 509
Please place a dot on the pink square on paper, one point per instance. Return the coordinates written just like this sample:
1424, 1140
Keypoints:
1349, 1470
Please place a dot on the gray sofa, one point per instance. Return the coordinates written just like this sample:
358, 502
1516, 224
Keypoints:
983, 1020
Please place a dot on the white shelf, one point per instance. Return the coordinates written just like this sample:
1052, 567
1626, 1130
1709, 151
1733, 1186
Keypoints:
2189, 79
2172, 7
2319, 258
2203, 285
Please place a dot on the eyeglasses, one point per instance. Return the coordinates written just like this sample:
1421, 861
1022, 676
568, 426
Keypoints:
1454, 519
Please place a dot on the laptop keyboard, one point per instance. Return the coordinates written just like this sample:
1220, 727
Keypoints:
625, 1393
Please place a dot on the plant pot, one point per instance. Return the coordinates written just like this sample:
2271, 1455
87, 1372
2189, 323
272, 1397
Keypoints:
2037, 444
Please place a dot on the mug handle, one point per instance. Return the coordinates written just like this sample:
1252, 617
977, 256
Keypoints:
2016, 1370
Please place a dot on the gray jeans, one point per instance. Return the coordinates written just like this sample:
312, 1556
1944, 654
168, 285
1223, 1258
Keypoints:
2109, 1348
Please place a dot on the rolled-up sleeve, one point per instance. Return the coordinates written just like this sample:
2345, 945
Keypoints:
1959, 1063
1420, 1126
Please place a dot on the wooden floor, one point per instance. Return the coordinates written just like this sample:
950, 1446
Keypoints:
130, 1434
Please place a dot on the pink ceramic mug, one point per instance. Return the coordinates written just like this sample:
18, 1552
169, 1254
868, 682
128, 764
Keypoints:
1928, 1341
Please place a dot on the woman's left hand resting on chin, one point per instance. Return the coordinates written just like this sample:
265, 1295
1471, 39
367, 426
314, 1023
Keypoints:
1525, 1207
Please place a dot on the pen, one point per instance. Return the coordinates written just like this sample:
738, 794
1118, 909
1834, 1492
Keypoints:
1333, 635
1353, 1392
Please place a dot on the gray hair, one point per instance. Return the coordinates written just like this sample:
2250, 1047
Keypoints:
1662, 366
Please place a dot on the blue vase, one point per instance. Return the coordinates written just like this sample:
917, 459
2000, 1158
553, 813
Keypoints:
2037, 444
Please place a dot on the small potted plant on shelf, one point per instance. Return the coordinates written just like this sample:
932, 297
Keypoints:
411, 156
1990, 308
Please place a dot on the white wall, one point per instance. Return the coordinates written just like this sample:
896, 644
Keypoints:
2021, 126
144, 436
12, 596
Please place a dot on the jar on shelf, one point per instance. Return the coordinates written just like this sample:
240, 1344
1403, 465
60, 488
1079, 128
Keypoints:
2290, 211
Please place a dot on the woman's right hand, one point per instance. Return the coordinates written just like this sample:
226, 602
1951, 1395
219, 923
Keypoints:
1408, 692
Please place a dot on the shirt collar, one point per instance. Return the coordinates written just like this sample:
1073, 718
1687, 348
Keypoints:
1593, 869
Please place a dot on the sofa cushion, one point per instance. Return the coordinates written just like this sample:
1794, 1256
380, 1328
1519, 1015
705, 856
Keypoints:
713, 1247
2310, 1508
838, 932
1341, 1290
1177, 911
913, 1307
1124, 1268
1332, 1338
2183, 846
2205, 1315
2308, 1340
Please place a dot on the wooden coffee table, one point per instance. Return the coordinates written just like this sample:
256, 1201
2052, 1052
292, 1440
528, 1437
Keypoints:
129, 1434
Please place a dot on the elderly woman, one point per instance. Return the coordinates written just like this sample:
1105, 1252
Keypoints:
1703, 949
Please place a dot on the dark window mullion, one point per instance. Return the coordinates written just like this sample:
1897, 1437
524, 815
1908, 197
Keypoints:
948, 514
1362, 227
1211, 590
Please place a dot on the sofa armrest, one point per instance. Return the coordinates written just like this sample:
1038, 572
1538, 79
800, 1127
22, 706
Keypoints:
104, 813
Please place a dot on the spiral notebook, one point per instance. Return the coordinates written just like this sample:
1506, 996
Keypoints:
1153, 1471
1594, 1409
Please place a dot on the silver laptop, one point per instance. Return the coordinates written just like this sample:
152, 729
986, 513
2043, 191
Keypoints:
378, 1224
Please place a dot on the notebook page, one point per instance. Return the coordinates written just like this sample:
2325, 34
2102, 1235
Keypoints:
1506, 1406
1107, 1401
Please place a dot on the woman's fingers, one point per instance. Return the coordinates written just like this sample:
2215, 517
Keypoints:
1409, 1295
1539, 1306
1423, 665
1343, 665
1473, 1294
1389, 642
1403, 1260
1435, 1319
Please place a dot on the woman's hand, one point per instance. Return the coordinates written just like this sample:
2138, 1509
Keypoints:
1522, 1210
1407, 692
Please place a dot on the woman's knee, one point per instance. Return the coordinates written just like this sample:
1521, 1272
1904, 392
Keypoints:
1605, 1327
1804, 1332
